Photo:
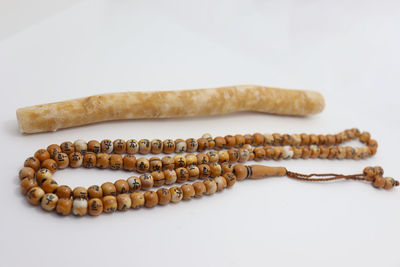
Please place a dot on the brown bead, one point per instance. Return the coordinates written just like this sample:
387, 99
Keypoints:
240, 171
27, 183
212, 156
249, 139
53, 150
191, 145
168, 163
89, 160
258, 139
211, 186
164, 196
259, 153
102, 160
158, 177
121, 186
64, 206
64, 191
116, 162
194, 172
32, 162
314, 140
227, 167
109, 189
364, 137
67, 147
277, 139
379, 182
129, 162
142, 165
269, 152
202, 144
233, 154
230, 141
42, 155
191, 159
119, 146
350, 151
26, 172
134, 183
93, 146
109, 204
373, 146
378, 170
305, 139
124, 202
168, 146
49, 202
188, 191
151, 199
322, 139
333, 151
144, 146
244, 155
137, 199
42, 175
95, 206
182, 174
278, 153
205, 171
324, 152
203, 158
306, 152
389, 183
215, 169
230, 179
156, 146
223, 156
220, 142
75, 160
80, 192
34, 195
95, 191
176, 194
132, 146
239, 140
221, 183
170, 176
180, 161
107, 146
297, 152
49, 186
147, 181
199, 189
62, 160
341, 153
330, 140
369, 173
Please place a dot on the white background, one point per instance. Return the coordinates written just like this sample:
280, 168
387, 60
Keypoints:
347, 50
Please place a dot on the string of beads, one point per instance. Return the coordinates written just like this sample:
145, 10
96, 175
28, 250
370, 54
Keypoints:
217, 169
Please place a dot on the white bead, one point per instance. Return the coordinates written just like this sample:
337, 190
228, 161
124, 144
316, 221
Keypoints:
180, 147
207, 136
244, 155
80, 146
79, 206
287, 152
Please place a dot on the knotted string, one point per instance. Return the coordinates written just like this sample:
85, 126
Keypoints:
326, 176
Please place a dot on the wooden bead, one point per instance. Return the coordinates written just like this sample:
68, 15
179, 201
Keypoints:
147, 181
151, 199
28, 183
168, 146
227, 167
64, 206
170, 176
26, 172
144, 146
180, 146
42, 175
191, 145
155, 164
220, 142
168, 163
258, 139
180, 161
324, 152
230, 179
132, 146
221, 183
142, 165
42, 155
121, 186
34, 195
191, 159
259, 153
341, 153
109, 189
305, 139
75, 160
369, 173
188, 191
93, 146
350, 152
212, 156
49, 186
296, 139
240, 171
137, 199
164, 196
119, 146
95, 206
95, 191
32, 162
314, 151
89, 160
239, 140
49, 202
62, 160
233, 155
109, 204
287, 140
199, 189
279, 153
244, 155
53, 150
134, 183
116, 162
182, 175
64, 191
158, 177
223, 156
176, 194
215, 169
364, 137
80, 192
203, 159
79, 207
102, 160
378, 170
379, 182
230, 141
297, 152
67, 147
211, 186
124, 202
277, 139
194, 172
330, 140
107, 146
307, 152
202, 144
249, 139
207, 136
81, 146
204, 170
156, 146
268, 139
129, 163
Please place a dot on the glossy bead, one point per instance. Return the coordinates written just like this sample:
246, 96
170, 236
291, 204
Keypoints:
49, 186
32, 162
249, 139
203, 159
147, 181
95, 191
81, 146
188, 191
79, 207
221, 183
34, 195
204, 170
93, 146
144, 146
121, 186
305, 139
50, 164
142, 165
180, 161
202, 144
64, 191
211, 186
132, 146
102, 160
42, 175
28, 183
378, 170
64, 206
168, 146
168, 163
223, 156
180, 146
106, 146
116, 162
119, 146
259, 153
137, 199
240, 171
109, 204
212, 156
230, 141
182, 174
234, 154
191, 145
155, 164
80, 192
176, 194
67, 147
95, 206
164, 196
53, 150
194, 172
151, 199
124, 202
379, 182
199, 189
268, 139
129, 162
227, 167
49, 202
244, 155
158, 177
109, 189
156, 146
89, 160
134, 183
62, 160
170, 176
75, 160
191, 159
215, 169
230, 179
364, 137
389, 183
26, 172
220, 142
42, 155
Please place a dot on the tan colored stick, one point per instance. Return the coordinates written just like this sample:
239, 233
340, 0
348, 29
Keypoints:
167, 104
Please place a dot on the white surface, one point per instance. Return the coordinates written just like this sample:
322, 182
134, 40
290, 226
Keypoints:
347, 50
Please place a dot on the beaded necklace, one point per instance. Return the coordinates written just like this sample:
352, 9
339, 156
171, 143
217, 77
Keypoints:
217, 169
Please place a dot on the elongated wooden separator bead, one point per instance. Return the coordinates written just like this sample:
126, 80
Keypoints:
257, 171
